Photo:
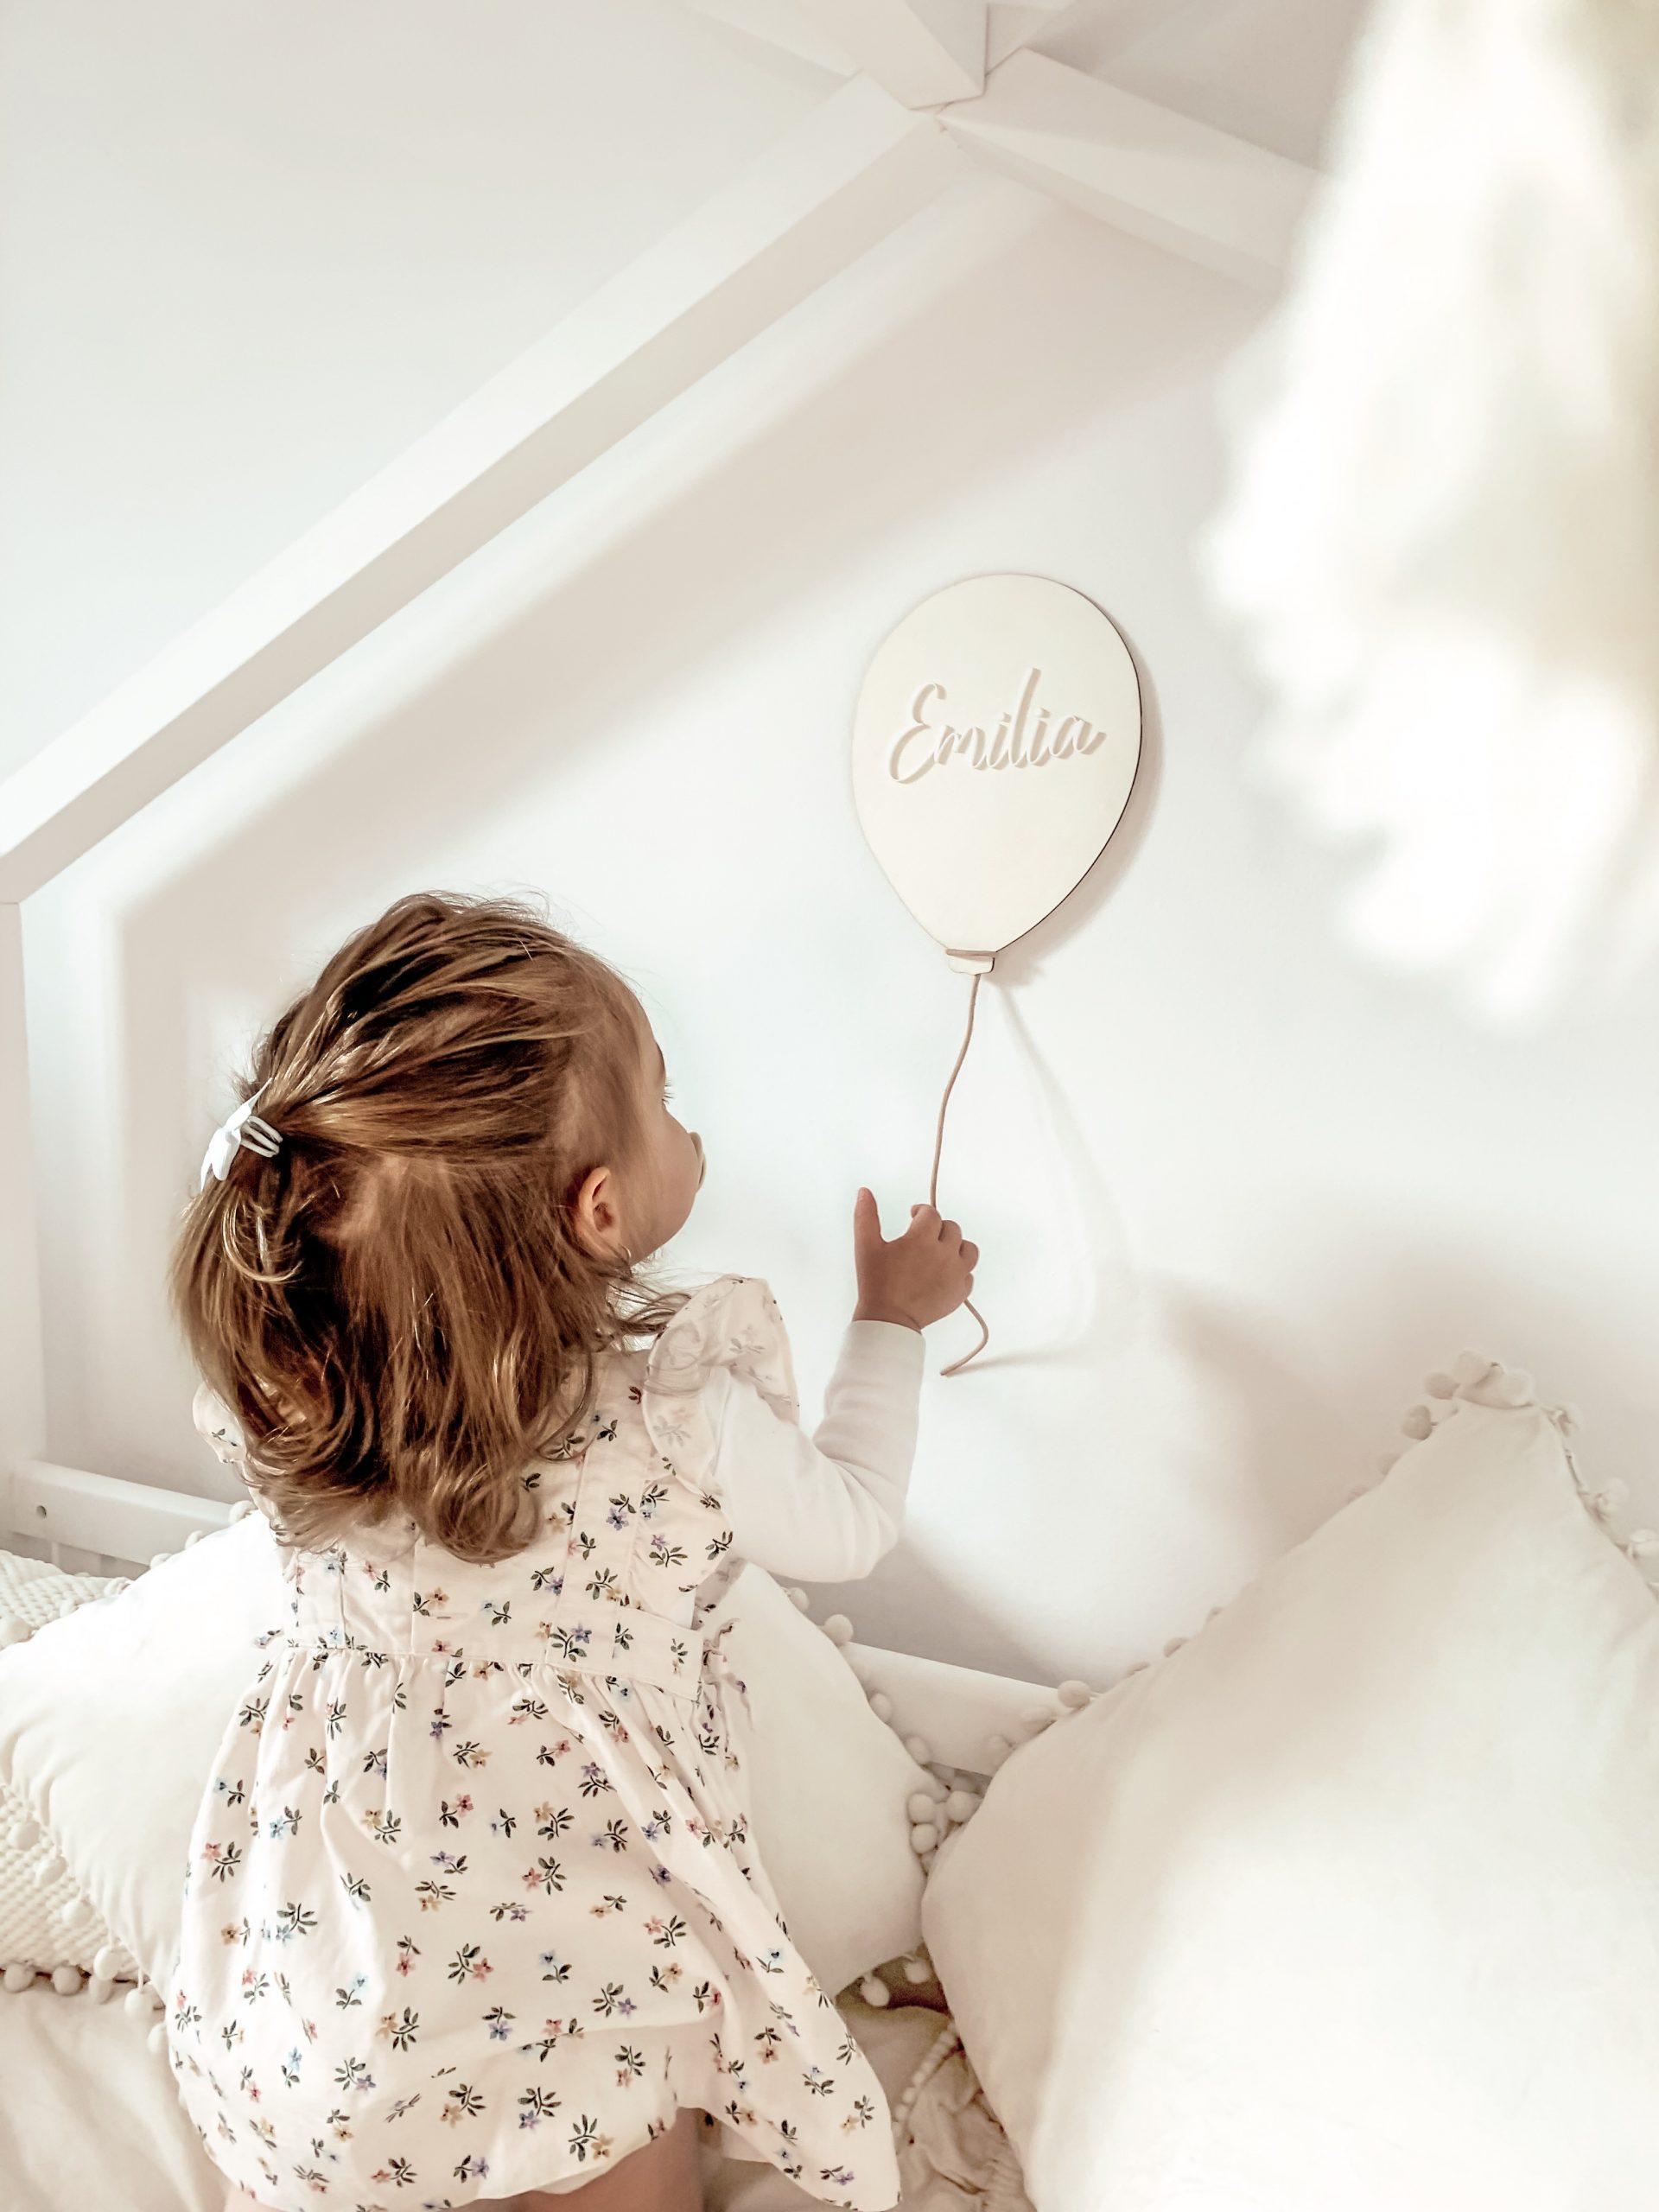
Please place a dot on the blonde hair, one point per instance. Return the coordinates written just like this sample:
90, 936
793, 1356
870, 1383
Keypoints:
395, 1303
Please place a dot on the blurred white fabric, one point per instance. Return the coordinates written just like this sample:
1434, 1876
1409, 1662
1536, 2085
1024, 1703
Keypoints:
1442, 535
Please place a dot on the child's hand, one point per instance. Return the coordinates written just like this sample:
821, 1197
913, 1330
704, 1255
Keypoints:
916, 1278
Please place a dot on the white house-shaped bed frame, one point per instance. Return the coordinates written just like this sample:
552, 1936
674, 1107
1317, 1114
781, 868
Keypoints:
931, 87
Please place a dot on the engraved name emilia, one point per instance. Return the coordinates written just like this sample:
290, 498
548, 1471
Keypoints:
926, 745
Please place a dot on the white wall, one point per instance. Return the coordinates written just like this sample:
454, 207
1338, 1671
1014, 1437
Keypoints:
1234, 1193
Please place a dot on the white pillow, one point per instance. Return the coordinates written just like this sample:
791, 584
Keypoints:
1351, 1905
47, 1925
110, 1719
830, 1786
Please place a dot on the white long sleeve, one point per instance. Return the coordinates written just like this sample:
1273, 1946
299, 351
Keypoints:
824, 1506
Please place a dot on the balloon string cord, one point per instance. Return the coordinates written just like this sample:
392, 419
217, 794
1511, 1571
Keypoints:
956, 1365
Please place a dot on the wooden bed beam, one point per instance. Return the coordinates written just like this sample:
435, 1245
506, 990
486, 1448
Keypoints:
852, 172
920, 52
1181, 183
23, 1359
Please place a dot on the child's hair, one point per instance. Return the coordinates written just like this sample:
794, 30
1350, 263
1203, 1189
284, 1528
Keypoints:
395, 1303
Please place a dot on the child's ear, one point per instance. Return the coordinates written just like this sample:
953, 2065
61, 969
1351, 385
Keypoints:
593, 1213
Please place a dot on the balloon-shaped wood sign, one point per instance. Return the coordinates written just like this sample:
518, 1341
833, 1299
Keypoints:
994, 748
996, 744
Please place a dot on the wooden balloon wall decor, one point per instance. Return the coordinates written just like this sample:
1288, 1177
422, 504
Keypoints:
995, 746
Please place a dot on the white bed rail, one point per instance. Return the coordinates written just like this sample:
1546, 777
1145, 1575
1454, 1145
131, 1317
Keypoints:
105, 1524
101, 1524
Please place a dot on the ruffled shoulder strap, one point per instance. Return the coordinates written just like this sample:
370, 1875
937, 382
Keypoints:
217, 1427
732, 1322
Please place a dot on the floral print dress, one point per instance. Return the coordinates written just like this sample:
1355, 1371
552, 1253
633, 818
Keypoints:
472, 1903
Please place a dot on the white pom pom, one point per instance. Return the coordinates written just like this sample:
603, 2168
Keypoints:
1614, 1493
797, 1598
1074, 1694
241, 1510
139, 2002
918, 1970
1137, 1667
920, 1805
924, 1837
100, 1988
1440, 1385
12, 1630
1644, 1543
880, 1705
1511, 1386
157, 2038
960, 1804
1417, 1423
195, 1537
920, 1749
108, 1960
22, 1835
1470, 1368
160, 1558
66, 1981
875, 1990
926, 1861
18, 1975
48, 1868
1173, 1646
1570, 1418
838, 1629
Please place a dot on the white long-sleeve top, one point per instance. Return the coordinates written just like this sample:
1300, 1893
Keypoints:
823, 1508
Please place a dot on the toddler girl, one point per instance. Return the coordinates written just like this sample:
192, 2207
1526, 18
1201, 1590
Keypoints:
474, 1912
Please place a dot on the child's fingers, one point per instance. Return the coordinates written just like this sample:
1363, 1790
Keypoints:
970, 1254
867, 1221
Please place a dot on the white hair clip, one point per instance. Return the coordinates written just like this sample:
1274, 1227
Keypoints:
243, 1126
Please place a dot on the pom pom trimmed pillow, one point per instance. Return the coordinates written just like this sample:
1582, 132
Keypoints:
110, 1720
47, 1926
1353, 1901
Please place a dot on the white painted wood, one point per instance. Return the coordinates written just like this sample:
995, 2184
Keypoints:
105, 1514
1008, 26
1146, 169
814, 34
920, 51
22, 1379
994, 746
785, 24
851, 173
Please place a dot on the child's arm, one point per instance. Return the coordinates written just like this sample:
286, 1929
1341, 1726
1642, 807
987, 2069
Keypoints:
825, 1507
828, 1506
